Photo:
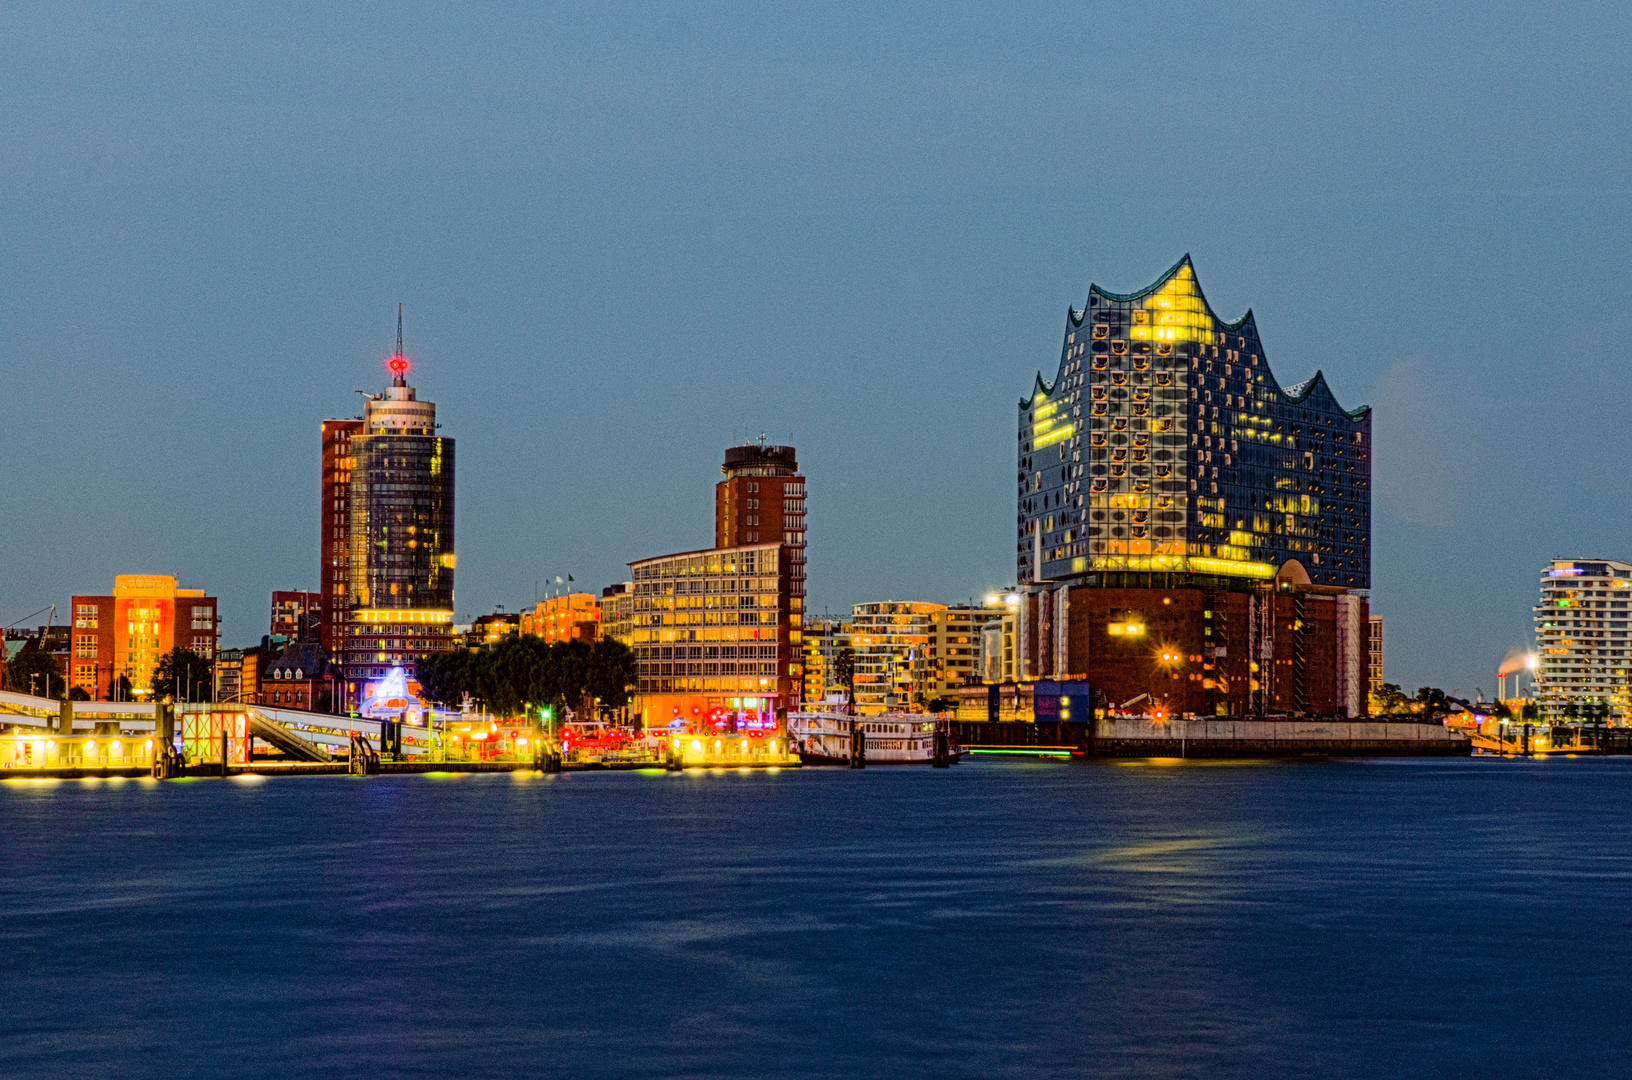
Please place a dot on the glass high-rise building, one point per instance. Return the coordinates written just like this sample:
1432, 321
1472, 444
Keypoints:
399, 541
1166, 445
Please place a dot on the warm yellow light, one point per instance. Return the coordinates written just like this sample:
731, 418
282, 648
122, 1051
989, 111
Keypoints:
1053, 437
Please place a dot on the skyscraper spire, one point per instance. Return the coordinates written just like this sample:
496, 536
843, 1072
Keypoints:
401, 367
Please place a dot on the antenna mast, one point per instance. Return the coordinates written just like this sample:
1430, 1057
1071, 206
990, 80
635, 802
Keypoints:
402, 375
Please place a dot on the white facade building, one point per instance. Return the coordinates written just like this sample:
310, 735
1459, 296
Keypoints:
1582, 638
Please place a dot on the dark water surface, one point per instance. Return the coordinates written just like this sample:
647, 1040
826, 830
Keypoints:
1014, 918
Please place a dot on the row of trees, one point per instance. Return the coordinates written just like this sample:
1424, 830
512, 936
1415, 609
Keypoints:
523, 674
1430, 700
181, 673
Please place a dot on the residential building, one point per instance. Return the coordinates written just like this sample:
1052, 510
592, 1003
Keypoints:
997, 638
569, 617
127, 632
951, 657
400, 540
617, 605
229, 675
1374, 654
1582, 640
888, 640
487, 630
297, 615
335, 543
718, 633
1170, 484
824, 639
301, 677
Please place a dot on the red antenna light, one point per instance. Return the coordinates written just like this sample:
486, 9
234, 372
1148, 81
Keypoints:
398, 364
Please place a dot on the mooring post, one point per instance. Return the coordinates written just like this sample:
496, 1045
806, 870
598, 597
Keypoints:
858, 745
943, 752
226, 746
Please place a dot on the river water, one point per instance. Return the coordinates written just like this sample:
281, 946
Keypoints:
1002, 918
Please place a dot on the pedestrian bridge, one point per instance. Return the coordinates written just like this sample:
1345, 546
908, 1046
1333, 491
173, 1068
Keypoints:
118, 732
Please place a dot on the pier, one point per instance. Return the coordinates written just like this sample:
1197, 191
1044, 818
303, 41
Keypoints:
1212, 737
46, 738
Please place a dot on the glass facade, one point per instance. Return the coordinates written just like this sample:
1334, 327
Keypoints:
1165, 445
402, 522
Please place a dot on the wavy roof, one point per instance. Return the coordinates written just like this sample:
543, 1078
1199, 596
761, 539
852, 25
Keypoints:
1296, 394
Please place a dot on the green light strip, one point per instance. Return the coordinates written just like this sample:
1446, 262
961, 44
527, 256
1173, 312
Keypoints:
1033, 752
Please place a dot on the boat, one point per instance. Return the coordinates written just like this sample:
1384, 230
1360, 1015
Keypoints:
892, 738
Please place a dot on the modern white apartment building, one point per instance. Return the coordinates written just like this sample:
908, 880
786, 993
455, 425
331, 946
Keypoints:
1582, 638
888, 639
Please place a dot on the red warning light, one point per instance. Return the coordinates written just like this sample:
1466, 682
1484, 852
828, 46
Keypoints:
398, 364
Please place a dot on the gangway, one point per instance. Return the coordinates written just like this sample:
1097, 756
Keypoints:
270, 731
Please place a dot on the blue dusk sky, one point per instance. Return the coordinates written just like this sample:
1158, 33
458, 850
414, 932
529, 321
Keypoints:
629, 235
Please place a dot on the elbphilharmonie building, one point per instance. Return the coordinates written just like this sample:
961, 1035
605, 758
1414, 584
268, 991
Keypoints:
1165, 455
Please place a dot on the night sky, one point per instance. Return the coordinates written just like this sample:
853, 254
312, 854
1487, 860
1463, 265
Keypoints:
627, 236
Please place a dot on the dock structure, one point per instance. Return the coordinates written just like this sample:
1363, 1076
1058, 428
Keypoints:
44, 737
1213, 737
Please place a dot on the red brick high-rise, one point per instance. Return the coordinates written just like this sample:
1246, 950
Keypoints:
336, 540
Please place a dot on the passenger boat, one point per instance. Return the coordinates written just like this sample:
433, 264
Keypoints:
823, 738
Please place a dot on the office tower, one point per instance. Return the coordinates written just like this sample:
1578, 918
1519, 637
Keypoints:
718, 632
1581, 641
335, 545
762, 500
1178, 506
399, 537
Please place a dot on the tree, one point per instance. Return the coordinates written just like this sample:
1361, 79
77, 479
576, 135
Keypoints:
446, 677
942, 704
35, 671
1572, 709
521, 674
79, 693
1433, 701
612, 673
1529, 712
184, 675
844, 669
1389, 698
119, 689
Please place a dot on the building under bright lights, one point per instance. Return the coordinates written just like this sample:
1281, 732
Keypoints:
718, 632
1581, 639
128, 632
397, 535
1189, 529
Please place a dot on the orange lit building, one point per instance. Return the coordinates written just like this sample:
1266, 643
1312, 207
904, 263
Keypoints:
573, 617
127, 633
718, 633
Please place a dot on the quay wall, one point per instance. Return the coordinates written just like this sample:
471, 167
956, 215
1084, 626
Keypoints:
1224, 737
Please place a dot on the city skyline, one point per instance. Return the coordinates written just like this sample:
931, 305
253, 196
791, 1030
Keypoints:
853, 281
